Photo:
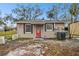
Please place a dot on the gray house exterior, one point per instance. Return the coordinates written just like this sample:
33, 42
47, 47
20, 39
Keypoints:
39, 28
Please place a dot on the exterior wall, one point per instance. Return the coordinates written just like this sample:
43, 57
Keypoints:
19, 29
21, 34
44, 34
34, 30
52, 34
48, 34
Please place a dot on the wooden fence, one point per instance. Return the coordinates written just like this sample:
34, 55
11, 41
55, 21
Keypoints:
74, 30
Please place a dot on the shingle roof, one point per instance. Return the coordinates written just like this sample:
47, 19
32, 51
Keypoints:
40, 21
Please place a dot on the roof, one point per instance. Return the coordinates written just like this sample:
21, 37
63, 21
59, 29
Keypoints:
40, 21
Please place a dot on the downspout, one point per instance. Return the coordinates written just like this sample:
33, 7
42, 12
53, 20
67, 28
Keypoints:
54, 25
24, 28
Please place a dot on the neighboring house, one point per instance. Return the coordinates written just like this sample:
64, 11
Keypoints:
39, 28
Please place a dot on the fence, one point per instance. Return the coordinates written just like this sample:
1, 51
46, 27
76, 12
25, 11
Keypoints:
74, 30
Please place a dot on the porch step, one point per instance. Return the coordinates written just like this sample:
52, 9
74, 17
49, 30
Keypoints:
38, 39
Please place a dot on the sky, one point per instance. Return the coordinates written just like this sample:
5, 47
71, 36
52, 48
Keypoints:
6, 8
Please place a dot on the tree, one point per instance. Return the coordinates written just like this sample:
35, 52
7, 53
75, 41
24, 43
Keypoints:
1, 22
27, 12
53, 12
37, 11
10, 18
74, 11
64, 16
9, 21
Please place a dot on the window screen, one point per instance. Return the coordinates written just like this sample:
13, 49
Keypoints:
28, 28
49, 27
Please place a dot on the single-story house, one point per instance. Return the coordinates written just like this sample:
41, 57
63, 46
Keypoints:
39, 28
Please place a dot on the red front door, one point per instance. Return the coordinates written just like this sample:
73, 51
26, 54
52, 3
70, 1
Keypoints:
38, 31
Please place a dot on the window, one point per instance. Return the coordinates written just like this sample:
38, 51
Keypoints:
49, 27
58, 27
66, 28
28, 28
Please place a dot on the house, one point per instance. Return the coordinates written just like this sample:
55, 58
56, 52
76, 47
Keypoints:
39, 28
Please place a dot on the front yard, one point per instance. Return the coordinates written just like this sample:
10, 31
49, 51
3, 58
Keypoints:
40, 47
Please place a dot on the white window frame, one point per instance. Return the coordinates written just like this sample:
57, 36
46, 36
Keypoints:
25, 28
49, 29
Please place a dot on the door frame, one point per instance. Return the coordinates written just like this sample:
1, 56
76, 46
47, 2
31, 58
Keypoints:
37, 28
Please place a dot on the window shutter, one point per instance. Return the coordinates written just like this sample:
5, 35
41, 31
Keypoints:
24, 28
45, 27
31, 28
53, 26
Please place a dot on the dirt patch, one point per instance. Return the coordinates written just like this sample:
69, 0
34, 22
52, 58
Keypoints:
40, 47
31, 50
62, 48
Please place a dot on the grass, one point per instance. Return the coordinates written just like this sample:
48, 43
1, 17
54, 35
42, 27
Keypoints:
8, 34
